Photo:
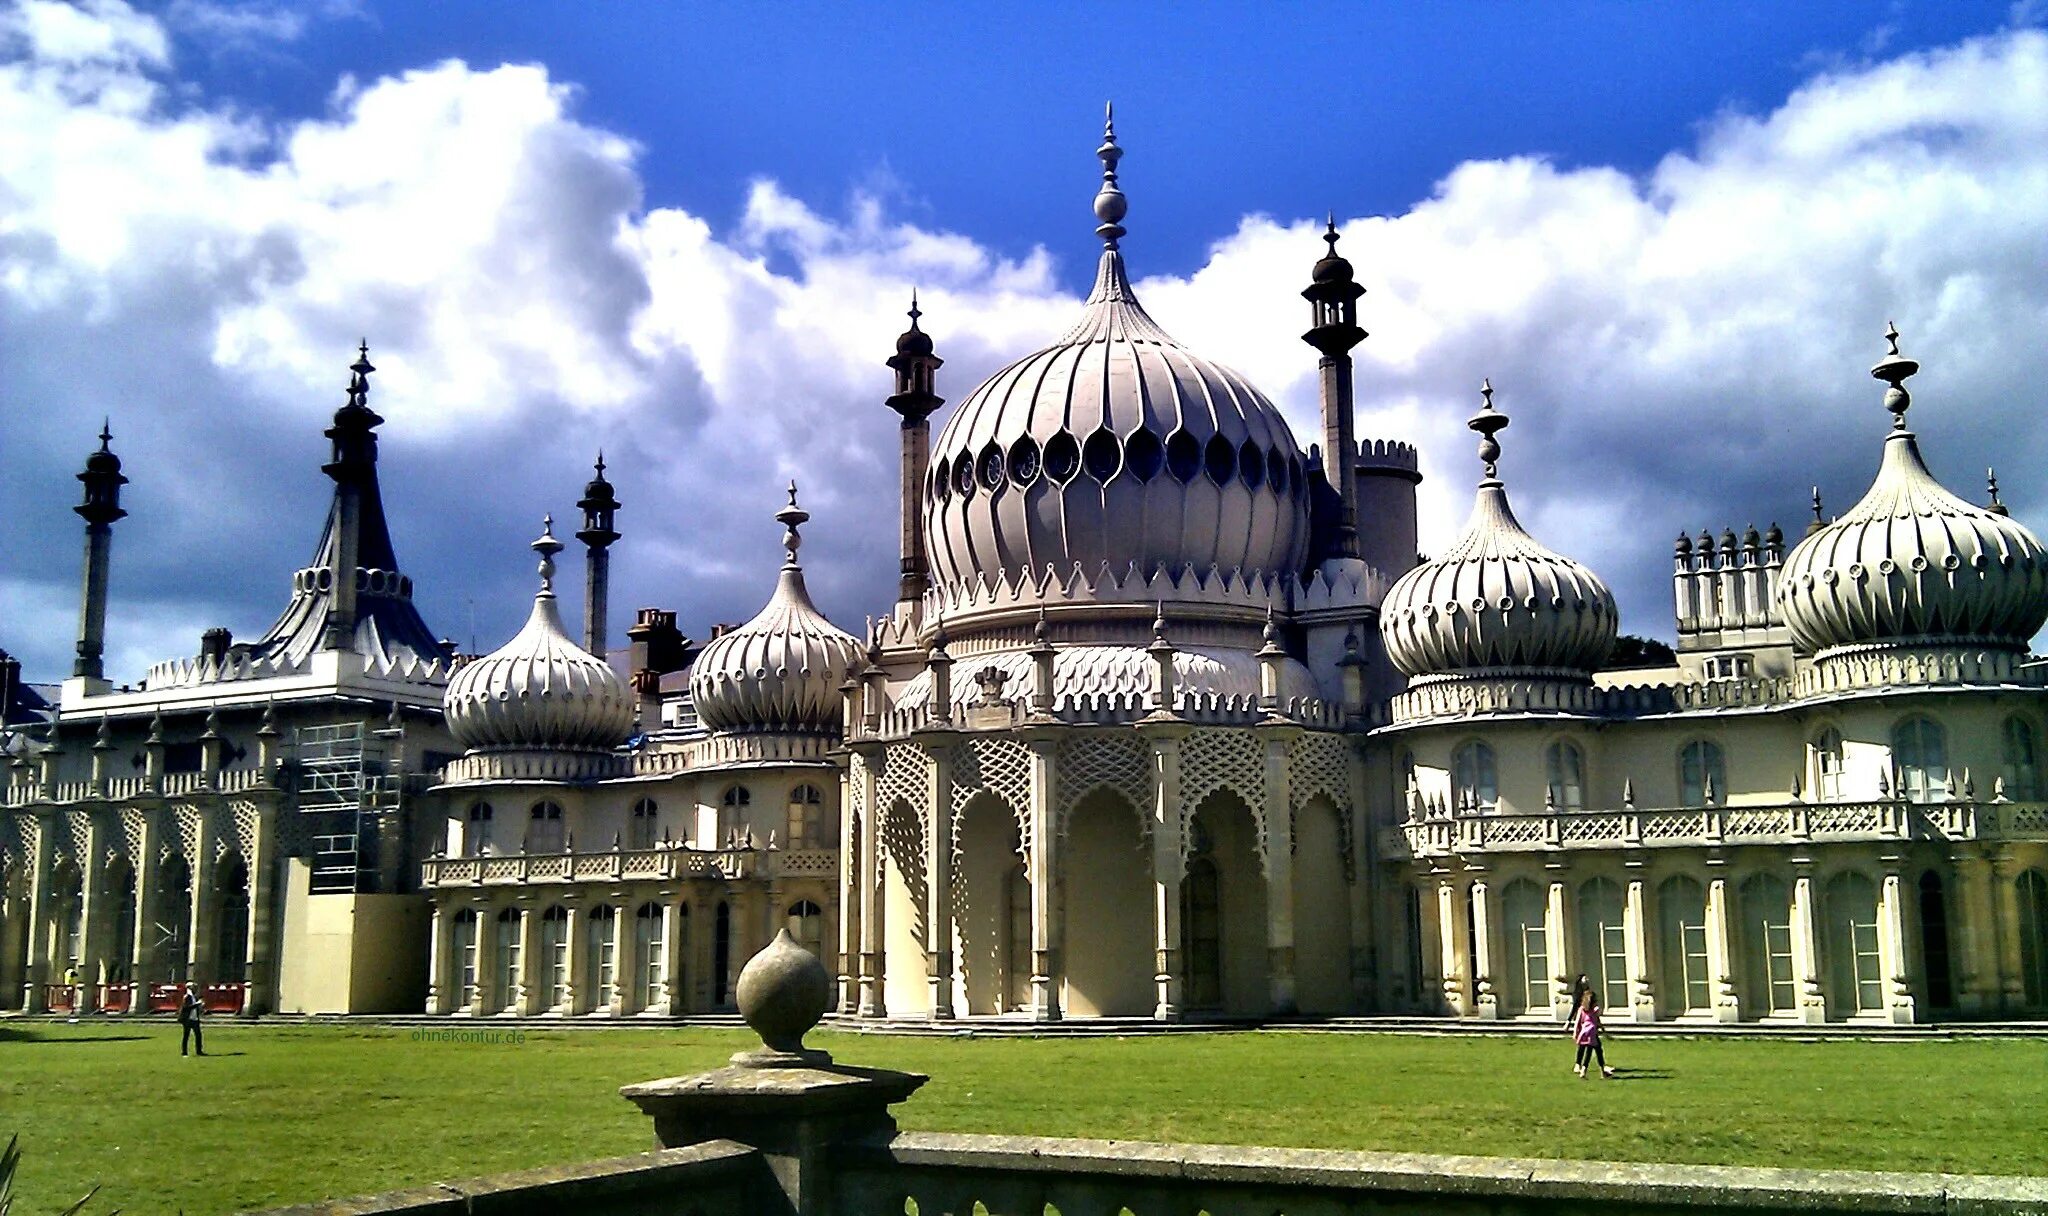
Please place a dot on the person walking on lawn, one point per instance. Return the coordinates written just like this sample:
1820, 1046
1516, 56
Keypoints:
189, 1011
1585, 1028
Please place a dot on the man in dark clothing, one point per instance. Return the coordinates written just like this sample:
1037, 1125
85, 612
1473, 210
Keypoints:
189, 1010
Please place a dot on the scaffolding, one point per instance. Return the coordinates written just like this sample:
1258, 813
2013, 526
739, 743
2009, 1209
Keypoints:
342, 779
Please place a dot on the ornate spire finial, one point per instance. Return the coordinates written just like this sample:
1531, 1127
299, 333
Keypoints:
1991, 483
106, 432
547, 546
1041, 633
1894, 369
1330, 233
1487, 422
600, 462
1110, 204
915, 311
791, 518
1159, 623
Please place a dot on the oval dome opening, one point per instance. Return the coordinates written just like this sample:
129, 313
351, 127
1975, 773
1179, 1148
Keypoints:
1102, 454
1062, 457
1251, 465
992, 470
1144, 455
1183, 456
1024, 461
1220, 459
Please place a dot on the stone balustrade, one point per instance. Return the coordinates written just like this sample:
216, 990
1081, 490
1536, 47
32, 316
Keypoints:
620, 865
1108, 709
1789, 823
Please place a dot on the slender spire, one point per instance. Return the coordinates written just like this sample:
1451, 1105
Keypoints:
1895, 369
547, 546
1110, 204
791, 518
1488, 422
1991, 482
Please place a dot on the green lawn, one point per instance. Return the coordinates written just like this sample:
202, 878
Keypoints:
288, 1114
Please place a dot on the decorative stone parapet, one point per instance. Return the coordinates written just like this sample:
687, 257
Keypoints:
543, 869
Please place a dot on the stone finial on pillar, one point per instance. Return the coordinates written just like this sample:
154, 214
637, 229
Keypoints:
266, 743
1271, 657
1351, 670
102, 744
849, 701
875, 696
1044, 661
154, 752
210, 746
1162, 653
940, 664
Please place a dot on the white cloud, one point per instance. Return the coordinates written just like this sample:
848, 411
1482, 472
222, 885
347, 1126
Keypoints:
1676, 349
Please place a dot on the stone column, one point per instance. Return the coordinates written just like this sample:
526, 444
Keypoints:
1557, 935
1813, 1006
483, 1000
261, 948
2006, 901
1167, 871
143, 964
1721, 951
1486, 1003
35, 971
1636, 937
868, 872
1278, 851
437, 961
1046, 973
1452, 940
576, 998
527, 998
1894, 947
1972, 942
938, 873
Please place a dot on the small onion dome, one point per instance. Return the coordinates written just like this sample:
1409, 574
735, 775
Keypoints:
1498, 602
540, 691
103, 461
781, 671
914, 341
1331, 268
1912, 564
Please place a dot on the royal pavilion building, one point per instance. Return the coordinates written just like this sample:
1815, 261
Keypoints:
1168, 722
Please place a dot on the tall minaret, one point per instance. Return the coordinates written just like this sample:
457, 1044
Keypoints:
1334, 298
354, 470
102, 506
916, 369
598, 503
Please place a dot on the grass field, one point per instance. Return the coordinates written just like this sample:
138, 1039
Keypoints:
290, 1114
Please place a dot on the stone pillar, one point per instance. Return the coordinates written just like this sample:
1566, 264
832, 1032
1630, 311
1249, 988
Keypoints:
2006, 904
1636, 937
1813, 1006
1972, 935
1452, 940
526, 1001
938, 874
1278, 852
438, 1001
142, 965
868, 872
577, 997
1046, 973
1167, 870
35, 972
261, 948
1721, 951
1486, 1003
1557, 935
482, 1001
1894, 946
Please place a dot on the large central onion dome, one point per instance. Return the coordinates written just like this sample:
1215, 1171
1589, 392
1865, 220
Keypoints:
1498, 603
540, 691
1912, 564
780, 672
1118, 447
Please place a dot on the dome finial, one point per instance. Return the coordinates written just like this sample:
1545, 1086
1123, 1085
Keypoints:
106, 432
791, 518
915, 312
1991, 483
1330, 232
1487, 422
1894, 369
1110, 204
547, 546
600, 462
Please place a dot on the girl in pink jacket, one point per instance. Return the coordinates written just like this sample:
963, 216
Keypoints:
1585, 1028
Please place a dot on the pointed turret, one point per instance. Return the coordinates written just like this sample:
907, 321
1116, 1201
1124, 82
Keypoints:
1333, 297
101, 507
597, 534
916, 368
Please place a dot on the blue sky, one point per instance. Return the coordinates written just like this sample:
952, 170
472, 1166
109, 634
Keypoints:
1671, 235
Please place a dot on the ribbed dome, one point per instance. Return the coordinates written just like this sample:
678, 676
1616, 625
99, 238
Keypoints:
781, 671
540, 691
1118, 446
1497, 602
1912, 564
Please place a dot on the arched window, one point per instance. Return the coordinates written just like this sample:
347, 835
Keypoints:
1202, 931
807, 925
1523, 917
554, 957
463, 945
1855, 967
506, 960
2022, 774
640, 827
807, 828
1934, 949
476, 834
1827, 766
1767, 938
231, 954
1682, 945
1566, 768
604, 955
2033, 931
1702, 774
1473, 778
1603, 941
1920, 754
736, 796
650, 968
544, 830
